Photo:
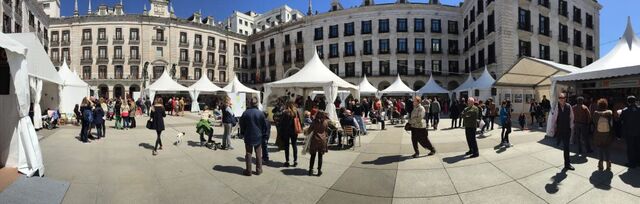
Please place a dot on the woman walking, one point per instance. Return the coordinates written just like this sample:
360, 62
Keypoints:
157, 120
418, 129
602, 137
228, 121
505, 121
318, 141
288, 132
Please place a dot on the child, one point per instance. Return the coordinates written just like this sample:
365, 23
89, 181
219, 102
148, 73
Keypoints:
522, 120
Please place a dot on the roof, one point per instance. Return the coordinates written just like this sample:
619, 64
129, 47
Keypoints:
466, 84
165, 83
485, 81
70, 78
397, 87
314, 74
521, 74
432, 87
622, 60
38, 61
205, 85
366, 87
9, 43
236, 87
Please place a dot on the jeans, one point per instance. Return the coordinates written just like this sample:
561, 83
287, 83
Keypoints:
265, 148
313, 159
127, 122
361, 124
583, 135
247, 157
506, 130
99, 128
226, 137
104, 129
492, 121
293, 140
435, 117
470, 133
486, 124
158, 140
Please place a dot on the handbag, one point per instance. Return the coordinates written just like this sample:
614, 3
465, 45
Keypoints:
297, 126
150, 124
407, 127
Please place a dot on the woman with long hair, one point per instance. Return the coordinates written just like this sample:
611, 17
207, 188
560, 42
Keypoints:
288, 132
602, 136
157, 119
505, 121
125, 114
318, 141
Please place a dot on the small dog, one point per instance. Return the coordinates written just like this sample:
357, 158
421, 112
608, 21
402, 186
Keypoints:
179, 138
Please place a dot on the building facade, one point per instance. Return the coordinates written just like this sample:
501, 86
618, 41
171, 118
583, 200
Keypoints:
251, 22
109, 48
21, 16
416, 40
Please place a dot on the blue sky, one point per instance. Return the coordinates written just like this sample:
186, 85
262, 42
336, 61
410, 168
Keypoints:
612, 17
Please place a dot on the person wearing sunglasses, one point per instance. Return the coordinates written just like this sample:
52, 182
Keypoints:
562, 123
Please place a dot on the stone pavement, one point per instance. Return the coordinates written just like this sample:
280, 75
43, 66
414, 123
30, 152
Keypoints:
121, 169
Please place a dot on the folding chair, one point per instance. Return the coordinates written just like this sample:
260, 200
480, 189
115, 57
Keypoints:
351, 132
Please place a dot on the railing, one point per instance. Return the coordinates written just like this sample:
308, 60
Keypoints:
86, 42
184, 43
103, 41
159, 41
117, 40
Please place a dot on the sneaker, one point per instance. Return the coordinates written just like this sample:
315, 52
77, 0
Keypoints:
431, 153
474, 156
415, 155
286, 164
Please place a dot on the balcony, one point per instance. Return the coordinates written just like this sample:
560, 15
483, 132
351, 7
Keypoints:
183, 62
85, 42
134, 41
86, 61
563, 13
454, 51
383, 52
117, 60
525, 27
222, 66
134, 60
211, 64
578, 44
236, 52
299, 41
197, 45
103, 41
286, 44
436, 52
184, 43
545, 32
197, 63
223, 50
544, 4
271, 48
211, 48
401, 51
102, 60
118, 40
55, 43
65, 43
161, 41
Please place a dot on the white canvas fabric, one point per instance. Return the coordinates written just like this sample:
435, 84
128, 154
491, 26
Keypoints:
73, 89
235, 86
466, 85
36, 94
520, 74
39, 63
203, 85
19, 146
398, 87
164, 84
365, 87
431, 87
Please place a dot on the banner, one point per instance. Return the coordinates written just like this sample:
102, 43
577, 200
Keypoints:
239, 103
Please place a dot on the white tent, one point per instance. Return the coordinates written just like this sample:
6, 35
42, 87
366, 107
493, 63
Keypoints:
19, 146
397, 88
164, 84
73, 89
431, 87
483, 84
533, 72
313, 76
365, 87
465, 86
235, 87
41, 71
204, 85
342, 95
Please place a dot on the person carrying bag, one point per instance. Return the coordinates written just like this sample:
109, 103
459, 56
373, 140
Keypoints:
418, 129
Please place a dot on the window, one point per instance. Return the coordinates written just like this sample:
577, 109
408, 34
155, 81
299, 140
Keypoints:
211, 58
198, 40
564, 33
453, 47
55, 55
419, 45
349, 49
134, 52
452, 27
86, 34
102, 72
299, 37
492, 53
183, 37
577, 15
481, 58
564, 57
366, 27
590, 43
134, 72
333, 31
223, 45
272, 43
210, 74
350, 69
524, 48
55, 37
320, 51
349, 29
333, 50
211, 42
159, 35
102, 34
222, 75
454, 67
184, 73
418, 25
436, 46
472, 16
436, 67
402, 45
543, 27
589, 61
480, 31
299, 55
383, 26
480, 6
367, 69
577, 60
383, 46
524, 19
544, 3
334, 68
102, 52
418, 67
318, 34
118, 72
384, 68
491, 23
197, 56
65, 36
545, 52
589, 19
286, 57
402, 25
222, 60
577, 38
197, 73
117, 52
563, 8
86, 72
65, 54
184, 55
472, 61
118, 34
159, 52
6, 24
157, 71
466, 24
402, 67
367, 47
435, 26
287, 39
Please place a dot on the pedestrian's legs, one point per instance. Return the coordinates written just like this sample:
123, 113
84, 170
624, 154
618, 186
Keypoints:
104, 129
504, 128
453, 122
381, 123
158, 140
258, 150
436, 120
286, 150
202, 140
471, 140
210, 134
265, 148
361, 124
294, 147
492, 120
311, 161
460, 122
99, 130
226, 137
632, 152
83, 132
414, 141
506, 134
247, 158
565, 149
320, 162
533, 116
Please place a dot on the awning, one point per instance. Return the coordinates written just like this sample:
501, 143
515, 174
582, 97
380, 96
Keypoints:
533, 72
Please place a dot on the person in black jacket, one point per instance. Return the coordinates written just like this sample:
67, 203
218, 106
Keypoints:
98, 120
454, 114
288, 133
629, 118
157, 118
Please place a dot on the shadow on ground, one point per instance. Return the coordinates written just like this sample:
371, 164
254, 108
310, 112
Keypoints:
229, 169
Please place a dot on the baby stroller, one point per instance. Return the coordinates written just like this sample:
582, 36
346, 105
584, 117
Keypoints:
50, 120
397, 118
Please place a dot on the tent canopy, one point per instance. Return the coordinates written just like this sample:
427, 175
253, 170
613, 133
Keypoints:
366, 87
314, 74
166, 84
466, 84
205, 85
520, 74
39, 63
398, 87
431, 87
69, 78
485, 81
622, 60
236, 87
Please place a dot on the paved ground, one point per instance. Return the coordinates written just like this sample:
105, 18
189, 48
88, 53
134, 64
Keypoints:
121, 169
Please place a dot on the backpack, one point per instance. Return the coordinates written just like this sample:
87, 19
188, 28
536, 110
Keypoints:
87, 115
603, 124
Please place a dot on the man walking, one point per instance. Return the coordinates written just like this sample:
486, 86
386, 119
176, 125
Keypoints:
546, 106
582, 121
253, 127
435, 112
563, 123
631, 131
471, 116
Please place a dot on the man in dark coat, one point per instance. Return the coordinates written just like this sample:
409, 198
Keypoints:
471, 115
253, 127
562, 123
631, 131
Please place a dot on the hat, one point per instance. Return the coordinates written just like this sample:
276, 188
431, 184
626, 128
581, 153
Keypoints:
631, 97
